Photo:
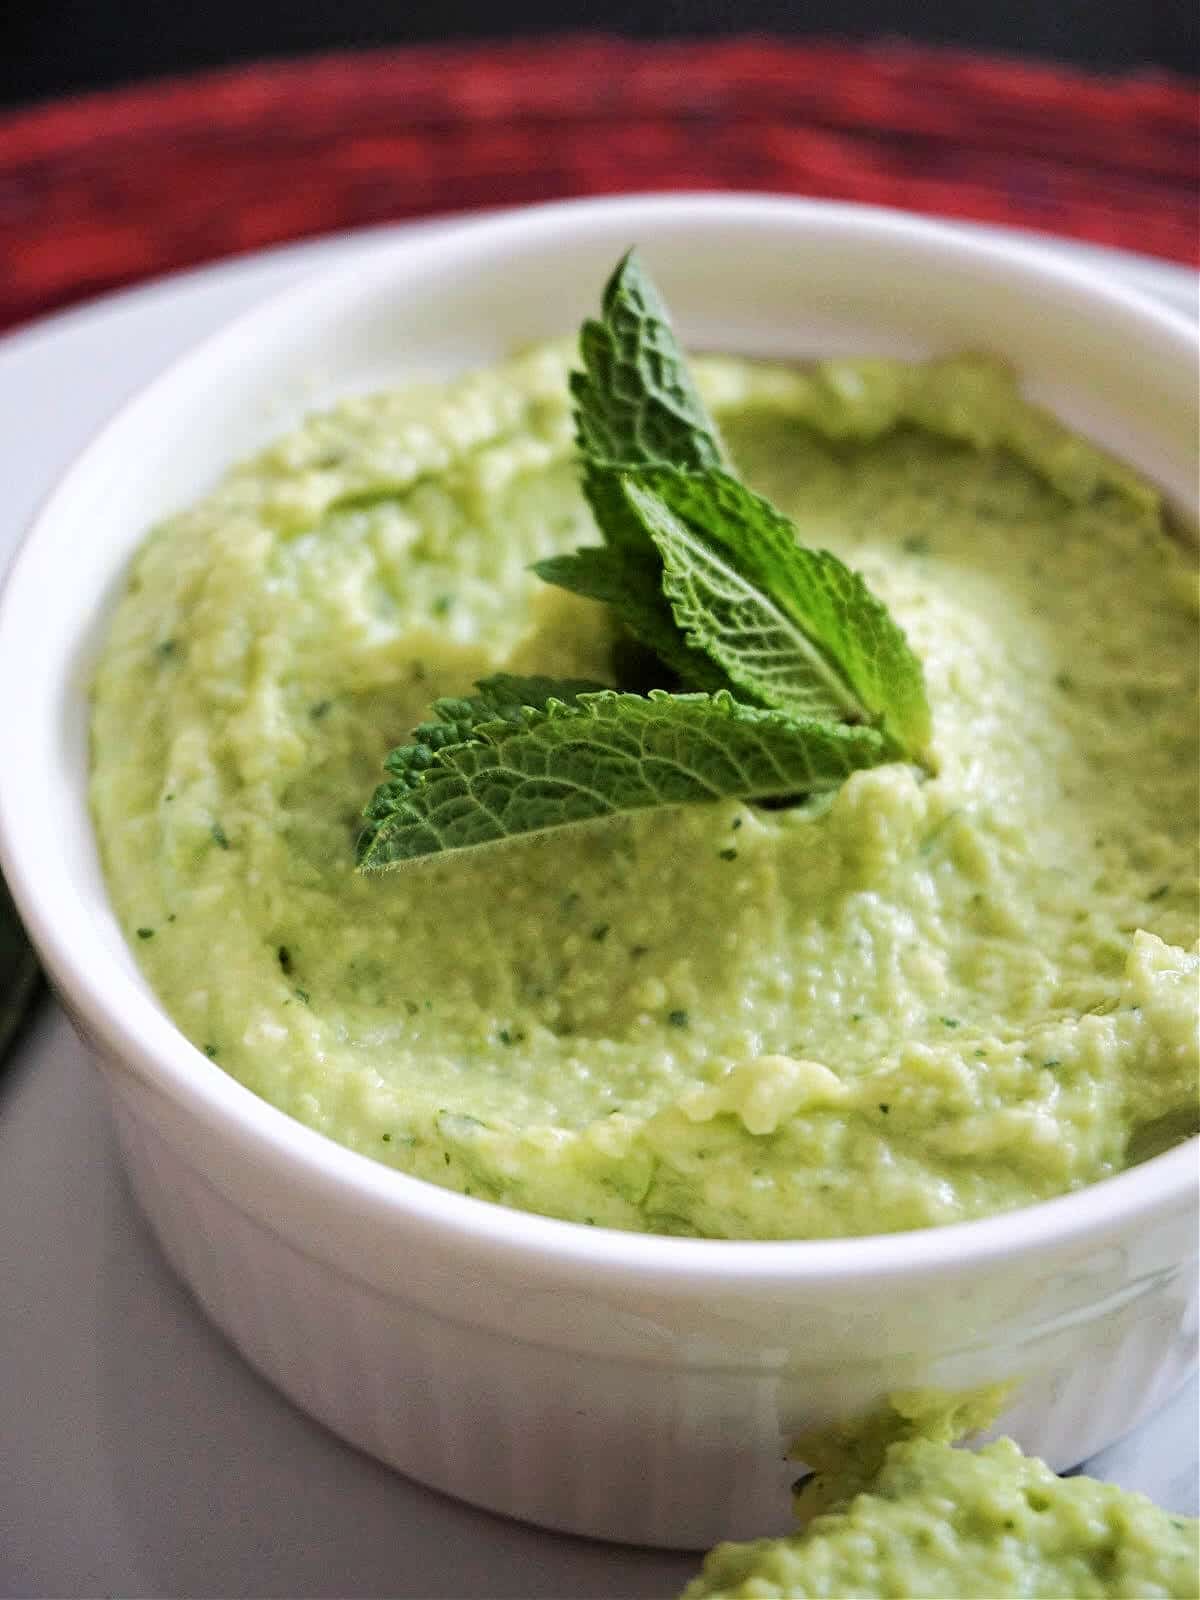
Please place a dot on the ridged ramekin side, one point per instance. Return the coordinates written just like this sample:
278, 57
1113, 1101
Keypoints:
544, 1435
677, 1455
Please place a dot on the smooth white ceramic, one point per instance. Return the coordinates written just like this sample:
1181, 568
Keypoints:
634, 1388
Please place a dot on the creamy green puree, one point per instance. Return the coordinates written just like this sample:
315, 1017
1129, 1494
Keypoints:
919, 1001
937, 1521
892, 1510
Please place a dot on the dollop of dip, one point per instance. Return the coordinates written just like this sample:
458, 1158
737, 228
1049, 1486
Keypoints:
920, 1001
968, 1525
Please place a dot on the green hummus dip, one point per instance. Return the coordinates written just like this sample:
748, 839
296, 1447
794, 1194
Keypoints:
938, 1521
918, 1002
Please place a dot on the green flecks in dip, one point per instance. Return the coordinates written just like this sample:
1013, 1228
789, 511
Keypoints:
714, 1062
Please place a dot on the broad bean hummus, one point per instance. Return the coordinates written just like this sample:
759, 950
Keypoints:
922, 1000
966, 1525
892, 1510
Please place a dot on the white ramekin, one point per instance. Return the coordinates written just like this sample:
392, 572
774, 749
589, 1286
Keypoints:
636, 1388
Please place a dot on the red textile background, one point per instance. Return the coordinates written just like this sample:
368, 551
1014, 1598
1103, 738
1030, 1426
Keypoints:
107, 189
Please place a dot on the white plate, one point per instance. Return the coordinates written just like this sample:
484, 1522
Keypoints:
138, 1454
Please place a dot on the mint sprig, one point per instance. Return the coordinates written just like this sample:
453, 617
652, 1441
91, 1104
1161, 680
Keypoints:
793, 674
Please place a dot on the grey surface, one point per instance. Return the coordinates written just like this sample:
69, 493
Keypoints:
138, 1455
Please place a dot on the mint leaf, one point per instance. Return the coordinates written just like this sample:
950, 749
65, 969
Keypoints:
632, 584
794, 628
604, 754
635, 401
